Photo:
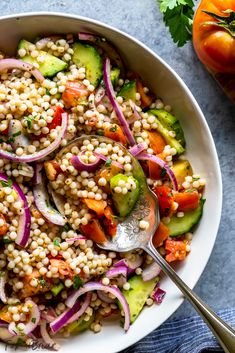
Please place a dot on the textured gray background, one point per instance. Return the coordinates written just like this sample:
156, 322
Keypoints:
142, 19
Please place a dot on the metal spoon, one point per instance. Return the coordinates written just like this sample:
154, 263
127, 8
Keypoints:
130, 237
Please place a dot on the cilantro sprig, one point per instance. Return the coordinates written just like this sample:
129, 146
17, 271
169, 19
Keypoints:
178, 17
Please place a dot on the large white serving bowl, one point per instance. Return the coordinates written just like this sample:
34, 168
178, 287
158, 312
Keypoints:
201, 152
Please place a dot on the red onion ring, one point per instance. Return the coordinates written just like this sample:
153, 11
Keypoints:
43, 153
64, 318
83, 308
151, 272
105, 298
68, 240
58, 199
91, 286
158, 295
37, 177
80, 165
137, 149
113, 101
104, 158
100, 93
131, 265
162, 164
24, 219
116, 271
136, 113
46, 337
8, 64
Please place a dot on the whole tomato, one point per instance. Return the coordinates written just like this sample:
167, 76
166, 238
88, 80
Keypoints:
214, 35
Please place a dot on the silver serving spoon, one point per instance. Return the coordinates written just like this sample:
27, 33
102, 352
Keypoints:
130, 237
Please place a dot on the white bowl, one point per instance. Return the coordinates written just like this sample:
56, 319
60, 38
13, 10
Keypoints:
162, 80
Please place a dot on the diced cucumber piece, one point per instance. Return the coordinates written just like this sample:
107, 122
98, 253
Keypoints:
124, 203
87, 56
57, 289
80, 325
138, 293
181, 169
114, 75
170, 122
128, 90
182, 225
51, 64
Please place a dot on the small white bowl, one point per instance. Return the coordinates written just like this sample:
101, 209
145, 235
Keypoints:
201, 152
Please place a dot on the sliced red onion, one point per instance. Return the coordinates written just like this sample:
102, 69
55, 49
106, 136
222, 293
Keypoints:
3, 296
23, 229
43, 153
151, 272
47, 317
58, 200
105, 298
8, 64
64, 318
81, 237
162, 164
32, 322
137, 149
92, 286
106, 46
41, 200
105, 158
100, 93
116, 271
16, 135
113, 101
37, 177
81, 166
158, 295
137, 115
131, 265
82, 310
46, 337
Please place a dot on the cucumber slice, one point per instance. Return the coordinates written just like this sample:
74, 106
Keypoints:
128, 90
87, 56
114, 75
51, 64
80, 325
179, 226
170, 140
170, 122
138, 293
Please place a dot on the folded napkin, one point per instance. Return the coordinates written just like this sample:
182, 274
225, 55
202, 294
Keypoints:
188, 335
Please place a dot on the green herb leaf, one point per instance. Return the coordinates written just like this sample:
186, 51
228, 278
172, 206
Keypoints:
178, 16
56, 242
163, 172
42, 281
77, 282
7, 183
33, 320
29, 120
100, 132
66, 228
113, 128
108, 163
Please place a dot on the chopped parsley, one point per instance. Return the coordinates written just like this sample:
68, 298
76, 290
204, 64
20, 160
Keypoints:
100, 132
33, 320
56, 242
66, 228
7, 183
108, 162
12, 137
29, 120
42, 281
113, 128
163, 172
77, 282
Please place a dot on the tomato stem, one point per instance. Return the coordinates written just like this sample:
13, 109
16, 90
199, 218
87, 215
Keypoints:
225, 22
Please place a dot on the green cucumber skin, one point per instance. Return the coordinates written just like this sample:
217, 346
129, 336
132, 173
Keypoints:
179, 226
138, 293
51, 65
128, 90
87, 56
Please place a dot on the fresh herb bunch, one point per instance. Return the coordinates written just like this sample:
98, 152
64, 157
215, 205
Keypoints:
178, 16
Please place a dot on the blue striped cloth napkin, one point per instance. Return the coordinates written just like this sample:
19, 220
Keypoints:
188, 335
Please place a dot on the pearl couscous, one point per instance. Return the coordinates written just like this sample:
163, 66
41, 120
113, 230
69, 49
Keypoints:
60, 196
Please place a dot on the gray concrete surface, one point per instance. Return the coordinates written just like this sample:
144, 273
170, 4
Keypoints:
142, 19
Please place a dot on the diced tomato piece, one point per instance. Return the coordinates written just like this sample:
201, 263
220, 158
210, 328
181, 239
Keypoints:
74, 93
5, 132
94, 231
4, 227
57, 119
110, 222
187, 201
52, 169
157, 142
165, 199
161, 234
177, 249
146, 99
115, 133
98, 206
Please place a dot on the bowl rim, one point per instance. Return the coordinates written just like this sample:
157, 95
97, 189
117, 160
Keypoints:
219, 196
